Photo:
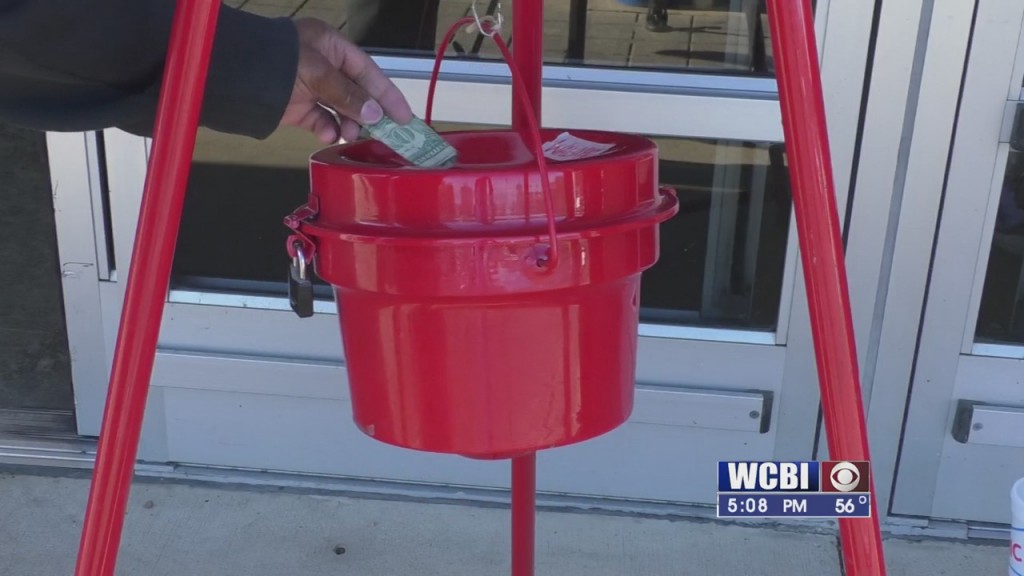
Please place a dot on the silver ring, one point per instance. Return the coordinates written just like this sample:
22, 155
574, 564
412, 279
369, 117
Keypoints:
301, 257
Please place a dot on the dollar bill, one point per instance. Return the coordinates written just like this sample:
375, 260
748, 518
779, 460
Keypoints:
415, 141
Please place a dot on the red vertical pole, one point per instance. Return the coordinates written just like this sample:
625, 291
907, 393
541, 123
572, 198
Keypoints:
524, 490
821, 249
528, 51
177, 119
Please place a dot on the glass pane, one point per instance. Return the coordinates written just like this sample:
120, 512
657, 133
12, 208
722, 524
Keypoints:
232, 234
721, 262
722, 257
1001, 314
725, 36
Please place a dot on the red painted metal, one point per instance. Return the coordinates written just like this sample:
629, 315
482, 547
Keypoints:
821, 249
456, 340
438, 59
524, 490
528, 32
528, 44
524, 105
176, 125
472, 244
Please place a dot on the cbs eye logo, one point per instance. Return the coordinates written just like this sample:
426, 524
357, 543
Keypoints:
844, 477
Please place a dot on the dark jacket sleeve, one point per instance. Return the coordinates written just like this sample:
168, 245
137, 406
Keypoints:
73, 65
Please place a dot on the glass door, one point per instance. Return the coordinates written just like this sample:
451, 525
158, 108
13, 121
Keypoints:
241, 382
963, 442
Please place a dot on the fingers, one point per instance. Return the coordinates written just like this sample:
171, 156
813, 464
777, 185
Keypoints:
325, 127
350, 129
358, 66
322, 124
338, 91
336, 74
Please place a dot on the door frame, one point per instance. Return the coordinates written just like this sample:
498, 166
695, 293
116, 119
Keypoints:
954, 235
908, 128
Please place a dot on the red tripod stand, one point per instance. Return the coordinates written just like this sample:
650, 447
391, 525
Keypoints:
821, 250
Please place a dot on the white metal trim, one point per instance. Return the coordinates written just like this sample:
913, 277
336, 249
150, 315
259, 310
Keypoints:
188, 369
997, 350
895, 93
129, 154
680, 82
989, 378
103, 264
668, 406
723, 335
241, 300
950, 285
239, 330
734, 410
255, 301
980, 269
1015, 89
72, 171
995, 425
790, 278
910, 114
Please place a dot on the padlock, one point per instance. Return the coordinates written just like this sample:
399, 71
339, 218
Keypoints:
300, 287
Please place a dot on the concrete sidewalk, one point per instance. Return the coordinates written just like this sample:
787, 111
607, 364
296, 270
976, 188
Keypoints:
176, 529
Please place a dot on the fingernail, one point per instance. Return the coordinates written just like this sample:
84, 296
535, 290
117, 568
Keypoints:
371, 112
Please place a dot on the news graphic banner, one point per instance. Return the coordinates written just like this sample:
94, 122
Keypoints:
812, 489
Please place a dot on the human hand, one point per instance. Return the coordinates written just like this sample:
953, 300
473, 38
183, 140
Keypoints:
336, 73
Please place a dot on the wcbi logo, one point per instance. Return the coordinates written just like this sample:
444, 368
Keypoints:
812, 476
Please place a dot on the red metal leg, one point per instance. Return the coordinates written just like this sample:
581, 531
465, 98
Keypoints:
528, 33
173, 143
821, 249
528, 49
524, 490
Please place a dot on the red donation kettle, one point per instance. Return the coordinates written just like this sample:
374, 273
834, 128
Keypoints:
459, 337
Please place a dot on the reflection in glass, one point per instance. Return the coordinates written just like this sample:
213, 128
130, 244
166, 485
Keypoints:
725, 36
1001, 314
722, 257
